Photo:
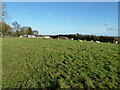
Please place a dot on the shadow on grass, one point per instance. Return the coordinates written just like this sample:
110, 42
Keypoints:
54, 85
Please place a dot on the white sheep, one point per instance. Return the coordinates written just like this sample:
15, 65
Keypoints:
21, 36
91, 40
98, 41
72, 38
116, 41
79, 40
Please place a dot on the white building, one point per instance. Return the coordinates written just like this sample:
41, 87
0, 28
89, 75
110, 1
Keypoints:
46, 37
31, 36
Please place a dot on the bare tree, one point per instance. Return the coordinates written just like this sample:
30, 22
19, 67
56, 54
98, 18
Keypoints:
16, 25
3, 11
3, 14
35, 32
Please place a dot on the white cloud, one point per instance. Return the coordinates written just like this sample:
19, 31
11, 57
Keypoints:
50, 14
115, 28
100, 30
67, 17
107, 24
110, 27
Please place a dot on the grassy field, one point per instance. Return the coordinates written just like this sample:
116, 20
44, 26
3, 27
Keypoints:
44, 63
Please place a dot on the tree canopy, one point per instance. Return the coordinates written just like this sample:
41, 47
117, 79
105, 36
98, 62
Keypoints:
4, 28
16, 30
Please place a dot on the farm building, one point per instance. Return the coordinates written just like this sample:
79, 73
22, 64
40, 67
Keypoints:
23, 36
64, 38
46, 37
39, 36
60, 37
42, 36
31, 36
27, 36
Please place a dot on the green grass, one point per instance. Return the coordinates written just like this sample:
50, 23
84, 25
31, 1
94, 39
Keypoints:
47, 63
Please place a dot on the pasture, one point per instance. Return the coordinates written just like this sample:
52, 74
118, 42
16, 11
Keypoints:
49, 63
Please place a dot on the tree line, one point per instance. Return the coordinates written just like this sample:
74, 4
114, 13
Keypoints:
110, 39
16, 30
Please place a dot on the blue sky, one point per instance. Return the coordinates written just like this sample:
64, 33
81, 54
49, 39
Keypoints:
97, 18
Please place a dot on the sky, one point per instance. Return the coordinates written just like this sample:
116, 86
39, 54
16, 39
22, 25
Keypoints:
61, 0
97, 18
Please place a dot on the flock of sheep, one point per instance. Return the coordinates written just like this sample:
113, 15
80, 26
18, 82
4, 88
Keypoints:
93, 41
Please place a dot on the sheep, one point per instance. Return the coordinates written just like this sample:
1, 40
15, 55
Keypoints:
79, 40
98, 41
21, 36
72, 38
116, 41
91, 40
